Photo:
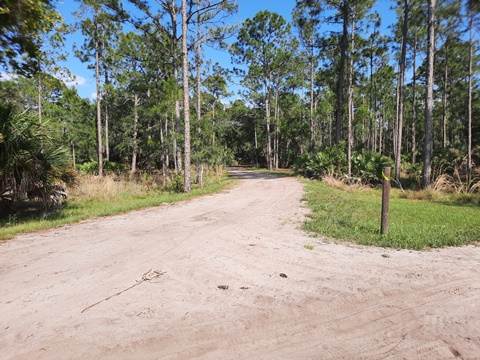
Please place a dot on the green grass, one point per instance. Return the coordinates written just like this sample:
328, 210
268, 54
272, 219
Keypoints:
354, 215
78, 209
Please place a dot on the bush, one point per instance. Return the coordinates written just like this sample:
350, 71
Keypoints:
32, 161
91, 168
175, 185
366, 165
329, 160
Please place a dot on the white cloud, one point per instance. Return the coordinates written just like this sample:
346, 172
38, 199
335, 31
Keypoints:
93, 95
7, 76
76, 80
70, 79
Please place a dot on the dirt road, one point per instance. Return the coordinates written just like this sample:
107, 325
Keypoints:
77, 292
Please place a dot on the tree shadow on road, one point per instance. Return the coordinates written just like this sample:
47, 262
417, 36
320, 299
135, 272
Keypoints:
245, 173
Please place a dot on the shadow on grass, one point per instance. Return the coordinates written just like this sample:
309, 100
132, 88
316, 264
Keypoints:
24, 216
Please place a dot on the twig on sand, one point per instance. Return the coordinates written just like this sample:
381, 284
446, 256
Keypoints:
149, 275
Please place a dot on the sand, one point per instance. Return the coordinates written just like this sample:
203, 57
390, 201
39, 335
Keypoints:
227, 276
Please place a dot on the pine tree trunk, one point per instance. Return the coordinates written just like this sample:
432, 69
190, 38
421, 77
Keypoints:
107, 142
256, 145
269, 138
401, 88
312, 117
186, 99
470, 90
136, 102
39, 88
380, 131
350, 100
427, 160
162, 147
371, 142
74, 161
99, 111
177, 152
445, 99
275, 131
213, 123
198, 61
341, 78
414, 102
375, 111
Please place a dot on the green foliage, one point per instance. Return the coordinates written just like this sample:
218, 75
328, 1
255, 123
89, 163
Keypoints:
111, 167
32, 160
329, 160
447, 160
366, 165
369, 166
175, 185
22, 23
354, 215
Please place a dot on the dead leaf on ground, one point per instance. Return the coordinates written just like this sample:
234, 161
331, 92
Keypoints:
151, 274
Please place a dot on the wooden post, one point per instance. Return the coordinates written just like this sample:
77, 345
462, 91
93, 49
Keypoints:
385, 200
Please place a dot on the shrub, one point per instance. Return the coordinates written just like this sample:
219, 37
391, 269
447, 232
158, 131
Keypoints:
32, 161
175, 185
329, 160
91, 168
366, 165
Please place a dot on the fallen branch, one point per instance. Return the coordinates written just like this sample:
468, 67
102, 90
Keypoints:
149, 275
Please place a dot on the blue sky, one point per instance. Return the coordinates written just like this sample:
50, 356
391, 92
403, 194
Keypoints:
85, 81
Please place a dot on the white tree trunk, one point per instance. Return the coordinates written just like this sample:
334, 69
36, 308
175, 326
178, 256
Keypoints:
99, 110
470, 90
136, 102
427, 160
401, 87
351, 114
186, 98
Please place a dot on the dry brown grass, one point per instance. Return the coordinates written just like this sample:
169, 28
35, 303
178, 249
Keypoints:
106, 188
112, 187
457, 184
448, 188
343, 184
445, 183
475, 188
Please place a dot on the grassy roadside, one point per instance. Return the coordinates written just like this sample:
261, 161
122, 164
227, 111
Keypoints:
110, 199
353, 214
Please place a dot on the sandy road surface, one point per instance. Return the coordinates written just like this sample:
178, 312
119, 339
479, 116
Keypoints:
337, 301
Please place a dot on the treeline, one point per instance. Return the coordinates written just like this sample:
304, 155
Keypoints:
329, 80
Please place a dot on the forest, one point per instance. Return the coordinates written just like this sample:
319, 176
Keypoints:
329, 93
